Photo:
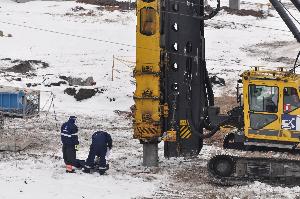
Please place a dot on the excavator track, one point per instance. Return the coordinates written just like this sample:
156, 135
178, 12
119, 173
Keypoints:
239, 170
231, 170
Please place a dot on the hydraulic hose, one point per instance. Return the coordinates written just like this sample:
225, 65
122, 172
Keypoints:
293, 70
296, 3
286, 18
210, 92
211, 133
213, 129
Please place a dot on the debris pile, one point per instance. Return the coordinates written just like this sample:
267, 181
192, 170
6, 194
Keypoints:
32, 84
78, 81
83, 93
56, 83
25, 66
285, 60
243, 12
2, 34
122, 5
126, 114
70, 91
78, 8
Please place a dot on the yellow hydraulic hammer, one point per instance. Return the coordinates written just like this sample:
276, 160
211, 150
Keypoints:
147, 116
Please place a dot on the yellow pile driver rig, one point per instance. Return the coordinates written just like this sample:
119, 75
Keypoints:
174, 99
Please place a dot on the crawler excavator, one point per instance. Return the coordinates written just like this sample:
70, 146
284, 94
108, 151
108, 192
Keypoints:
174, 99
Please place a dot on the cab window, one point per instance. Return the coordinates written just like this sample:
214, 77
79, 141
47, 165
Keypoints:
148, 21
263, 98
290, 99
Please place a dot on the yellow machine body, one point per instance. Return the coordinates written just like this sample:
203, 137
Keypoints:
147, 116
271, 106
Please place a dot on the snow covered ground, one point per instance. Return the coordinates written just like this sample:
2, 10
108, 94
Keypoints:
82, 44
38, 172
70, 55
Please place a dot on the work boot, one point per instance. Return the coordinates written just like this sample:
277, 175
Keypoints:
86, 170
69, 169
102, 170
79, 164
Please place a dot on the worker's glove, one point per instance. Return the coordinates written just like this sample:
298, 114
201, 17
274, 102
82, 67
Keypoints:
77, 147
108, 153
97, 160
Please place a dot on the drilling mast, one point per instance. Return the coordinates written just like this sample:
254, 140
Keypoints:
172, 85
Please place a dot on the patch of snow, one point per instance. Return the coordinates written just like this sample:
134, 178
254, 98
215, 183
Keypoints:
73, 43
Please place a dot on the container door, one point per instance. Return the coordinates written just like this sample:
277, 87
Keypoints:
263, 112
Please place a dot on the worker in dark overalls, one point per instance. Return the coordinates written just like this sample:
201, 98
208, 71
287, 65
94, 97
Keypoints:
101, 145
70, 143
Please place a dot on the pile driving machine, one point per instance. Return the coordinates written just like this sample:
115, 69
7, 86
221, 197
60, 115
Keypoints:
174, 99
172, 84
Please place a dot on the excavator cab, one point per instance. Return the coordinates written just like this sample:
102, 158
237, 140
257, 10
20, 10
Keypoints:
271, 118
271, 108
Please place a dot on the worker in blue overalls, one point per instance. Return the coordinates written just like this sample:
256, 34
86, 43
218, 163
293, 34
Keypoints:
70, 143
101, 145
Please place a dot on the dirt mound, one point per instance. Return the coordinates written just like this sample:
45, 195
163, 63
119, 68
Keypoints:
126, 114
25, 66
276, 51
84, 93
285, 60
56, 83
78, 81
110, 3
2, 34
243, 12
70, 91
78, 8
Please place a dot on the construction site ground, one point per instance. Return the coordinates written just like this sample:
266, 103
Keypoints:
44, 42
41, 166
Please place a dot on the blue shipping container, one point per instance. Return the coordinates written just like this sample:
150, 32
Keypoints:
12, 101
19, 102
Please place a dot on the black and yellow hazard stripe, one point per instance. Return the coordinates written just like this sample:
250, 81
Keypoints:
185, 132
147, 131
